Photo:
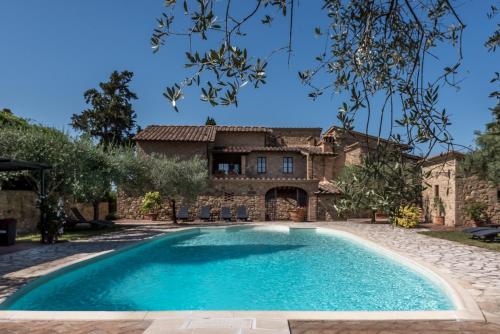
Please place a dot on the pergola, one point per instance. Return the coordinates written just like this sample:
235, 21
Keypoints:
10, 165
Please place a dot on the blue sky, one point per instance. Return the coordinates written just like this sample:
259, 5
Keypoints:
52, 51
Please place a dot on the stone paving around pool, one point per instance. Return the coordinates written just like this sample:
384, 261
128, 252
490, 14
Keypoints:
475, 269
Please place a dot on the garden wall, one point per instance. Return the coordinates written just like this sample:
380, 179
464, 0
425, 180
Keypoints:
129, 207
471, 188
21, 205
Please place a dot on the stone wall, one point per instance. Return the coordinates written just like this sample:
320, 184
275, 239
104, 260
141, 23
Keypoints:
87, 209
183, 150
20, 205
129, 207
227, 192
274, 166
240, 138
442, 175
472, 188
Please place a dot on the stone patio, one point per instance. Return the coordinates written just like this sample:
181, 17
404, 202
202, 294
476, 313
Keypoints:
475, 269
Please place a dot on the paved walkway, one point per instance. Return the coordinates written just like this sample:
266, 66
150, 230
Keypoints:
477, 270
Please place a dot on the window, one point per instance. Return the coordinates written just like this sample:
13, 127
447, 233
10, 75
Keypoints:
436, 190
287, 165
261, 165
228, 168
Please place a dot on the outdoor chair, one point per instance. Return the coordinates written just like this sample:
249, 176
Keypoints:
477, 229
488, 234
241, 213
183, 213
7, 232
80, 219
225, 213
204, 213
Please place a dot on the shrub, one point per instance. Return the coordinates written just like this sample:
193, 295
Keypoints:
439, 206
477, 211
408, 216
151, 202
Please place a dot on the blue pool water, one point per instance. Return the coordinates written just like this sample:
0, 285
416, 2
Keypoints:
238, 269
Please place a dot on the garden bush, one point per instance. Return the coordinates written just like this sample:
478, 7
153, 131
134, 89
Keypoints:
408, 216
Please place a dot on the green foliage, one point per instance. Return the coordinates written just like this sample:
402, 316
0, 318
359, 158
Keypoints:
210, 121
485, 160
383, 182
439, 206
372, 51
151, 202
477, 211
7, 118
177, 179
43, 145
111, 118
408, 216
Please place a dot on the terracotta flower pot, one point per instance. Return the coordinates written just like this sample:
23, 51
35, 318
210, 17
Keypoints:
477, 223
438, 220
297, 215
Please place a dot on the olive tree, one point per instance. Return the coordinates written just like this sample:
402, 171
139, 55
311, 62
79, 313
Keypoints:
383, 183
177, 179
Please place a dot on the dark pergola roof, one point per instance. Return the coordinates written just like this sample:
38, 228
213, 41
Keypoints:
9, 165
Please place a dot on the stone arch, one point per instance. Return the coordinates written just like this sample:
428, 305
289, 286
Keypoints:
280, 200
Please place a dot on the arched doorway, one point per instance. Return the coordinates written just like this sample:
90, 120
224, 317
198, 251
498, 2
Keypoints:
280, 200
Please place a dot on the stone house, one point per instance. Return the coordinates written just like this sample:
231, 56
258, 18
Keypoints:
443, 179
269, 170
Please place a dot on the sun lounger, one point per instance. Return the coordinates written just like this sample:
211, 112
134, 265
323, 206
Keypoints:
183, 213
489, 234
80, 219
477, 229
204, 213
225, 213
241, 213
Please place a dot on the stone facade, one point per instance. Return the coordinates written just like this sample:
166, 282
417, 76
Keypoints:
231, 193
233, 154
20, 205
443, 178
474, 189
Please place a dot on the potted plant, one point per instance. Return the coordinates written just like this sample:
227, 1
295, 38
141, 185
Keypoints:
438, 219
150, 204
477, 212
298, 214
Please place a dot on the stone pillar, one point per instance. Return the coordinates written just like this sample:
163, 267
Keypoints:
243, 164
309, 167
261, 208
210, 164
312, 208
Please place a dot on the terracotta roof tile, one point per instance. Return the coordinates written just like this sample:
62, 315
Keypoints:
205, 133
231, 128
248, 149
177, 133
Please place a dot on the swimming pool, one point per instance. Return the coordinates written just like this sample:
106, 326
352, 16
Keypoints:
238, 268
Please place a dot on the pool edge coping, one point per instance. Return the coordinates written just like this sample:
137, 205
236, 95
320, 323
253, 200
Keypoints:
467, 308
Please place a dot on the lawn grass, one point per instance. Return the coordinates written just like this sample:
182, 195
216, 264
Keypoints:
463, 238
72, 235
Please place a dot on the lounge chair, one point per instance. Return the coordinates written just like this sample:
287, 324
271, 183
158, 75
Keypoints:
183, 213
80, 219
241, 213
204, 213
488, 234
477, 229
225, 213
